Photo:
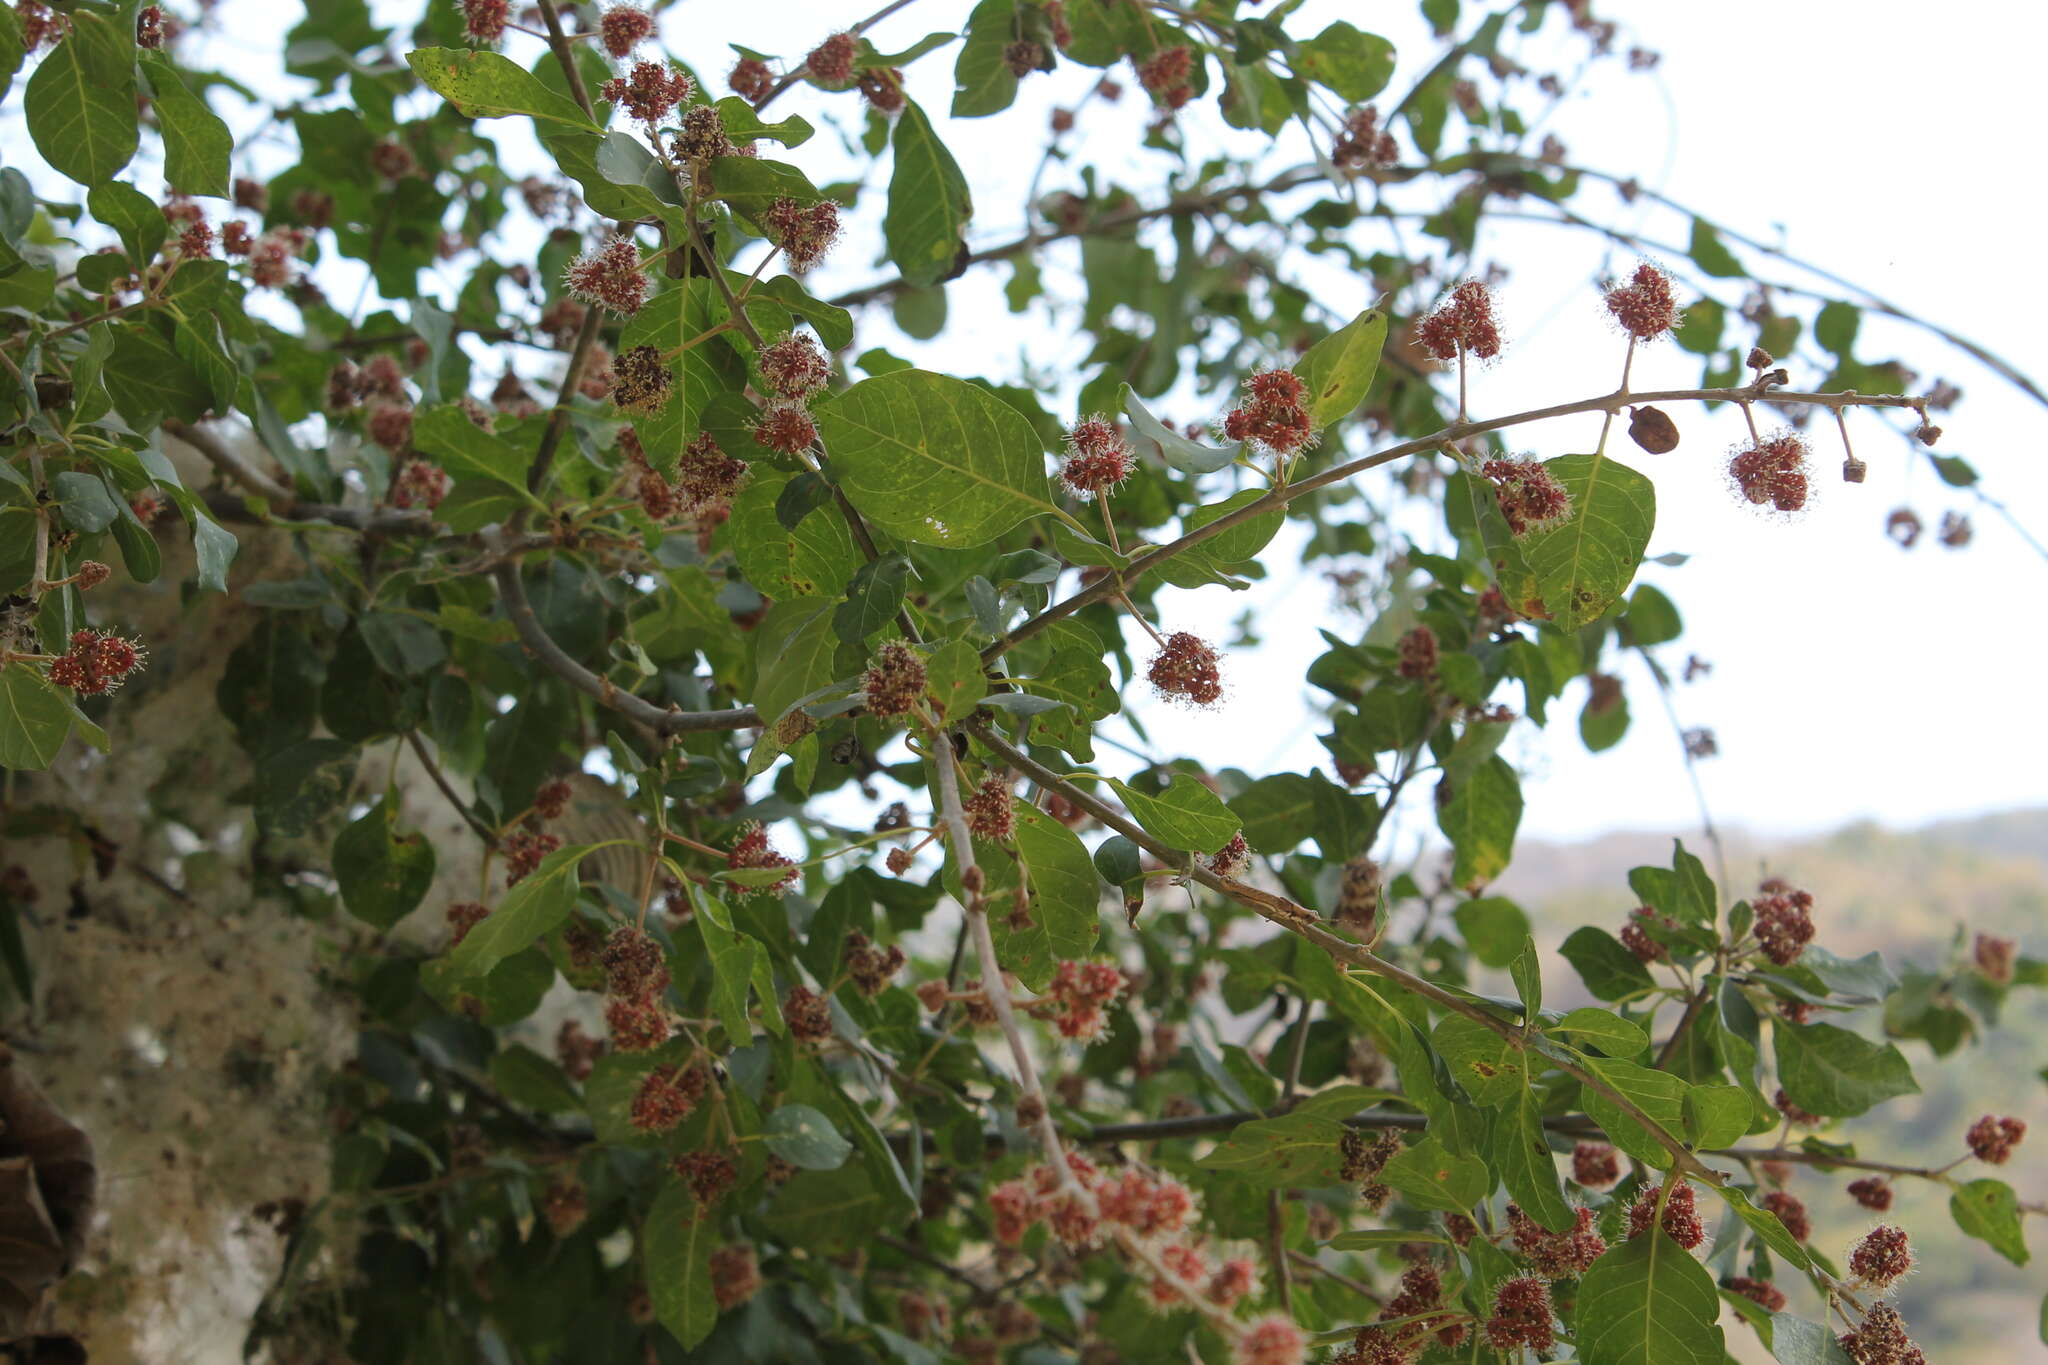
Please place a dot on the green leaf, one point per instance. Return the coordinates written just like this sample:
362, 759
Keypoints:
81, 102
1610, 971
536, 906
731, 955
1295, 1150
742, 124
1609, 1032
928, 201
467, 451
1835, 327
1494, 929
148, 380
1339, 369
34, 718
1433, 1178
133, 216
1659, 1094
1989, 1211
382, 875
213, 546
793, 652
1767, 1226
197, 144
752, 184
1491, 1067
1685, 892
1648, 1302
1178, 451
933, 459
533, 1082
1526, 1164
198, 340
12, 48
702, 373
804, 1137
1356, 65
1186, 815
1480, 820
1831, 1071
1710, 255
485, 85
1716, 1115
873, 597
814, 558
982, 79
676, 1242
1796, 1341
954, 678
1586, 563
86, 503
833, 324
1528, 978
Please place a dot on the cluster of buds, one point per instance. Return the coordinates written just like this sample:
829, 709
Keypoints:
882, 88
1415, 654
752, 850
870, 968
1794, 1115
97, 662
1232, 858
1168, 75
1522, 1316
1994, 958
610, 277
464, 916
1762, 1293
484, 21
623, 28
1881, 1257
650, 92
1644, 307
735, 1274
972, 999
803, 232
1773, 472
1636, 937
895, 680
990, 809
1077, 998
710, 1175
1992, 1139
641, 380
1463, 325
702, 139
1873, 1192
1556, 1255
831, 62
270, 257
808, 1013
524, 849
750, 79
1097, 459
1595, 1165
1185, 667
785, 428
40, 25
1363, 1159
1362, 141
1681, 1218
1530, 497
667, 1096
420, 483
1275, 415
1880, 1339
794, 368
1790, 1210
1271, 1340
1784, 921
707, 480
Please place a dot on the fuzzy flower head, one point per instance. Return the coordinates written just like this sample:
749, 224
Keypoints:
794, 367
1872, 1192
650, 92
1078, 997
421, 483
1760, 1292
831, 62
1995, 958
1791, 1211
708, 479
1364, 142
97, 663
804, 232
1530, 497
752, 850
1271, 1340
1681, 1218
1784, 924
990, 811
641, 380
609, 277
750, 79
1773, 472
1097, 459
895, 680
1185, 667
483, 21
1462, 325
1990, 1139
1880, 1339
1168, 75
1522, 1316
1881, 1257
785, 428
1274, 414
623, 28
1644, 307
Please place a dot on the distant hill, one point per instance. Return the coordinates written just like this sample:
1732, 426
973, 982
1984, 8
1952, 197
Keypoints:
1913, 895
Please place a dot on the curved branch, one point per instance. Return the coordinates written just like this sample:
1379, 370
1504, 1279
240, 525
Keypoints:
660, 720
231, 466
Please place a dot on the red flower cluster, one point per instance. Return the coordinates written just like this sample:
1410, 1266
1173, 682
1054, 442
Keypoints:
624, 28
483, 21
1149, 1205
752, 849
1415, 654
1422, 1289
1272, 1340
895, 680
1077, 997
882, 87
1791, 1212
750, 78
390, 426
97, 663
831, 62
708, 1174
636, 1025
666, 1096
1363, 142
1760, 1292
1097, 459
1792, 1112
1462, 325
420, 483
1556, 1255
785, 428
735, 1275
634, 964
650, 91
809, 1014
805, 234
1681, 1219
1881, 1257
1873, 1192
1644, 306
524, 849
1040, 1196
1595, 1165
1232, 858
1185, 666
464, 916
1530, 497
609, 277
1784, 922
1880, 1339
708, 479
1274, 416
1522, 1316
1773, 472
990, 812
870, 968
794, 367
1995, 958
1990, 1139
1166, 74
1363, 1162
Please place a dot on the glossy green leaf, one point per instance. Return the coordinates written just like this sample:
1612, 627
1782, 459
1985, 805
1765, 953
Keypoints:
1658, 1094
1799, 1341
1354, 64
1526, 1164
1610, 971
815, 558
1648, 1302
1186, 815
1434, 1178
933, 459
1584, 564
536, 906
197, 143
982, 79
1609, 1032
928, 201
80, 101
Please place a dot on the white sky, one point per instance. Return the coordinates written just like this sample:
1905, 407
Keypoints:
1848, 675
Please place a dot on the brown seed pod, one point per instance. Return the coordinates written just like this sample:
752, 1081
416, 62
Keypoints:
1651, 429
